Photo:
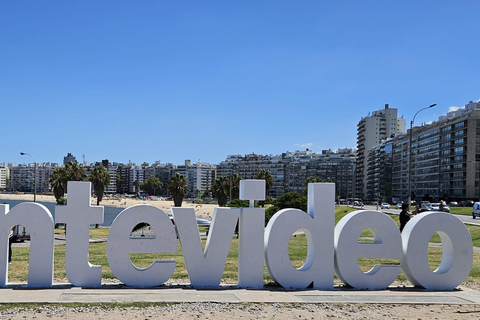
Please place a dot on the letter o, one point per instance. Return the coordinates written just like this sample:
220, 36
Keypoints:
457, 258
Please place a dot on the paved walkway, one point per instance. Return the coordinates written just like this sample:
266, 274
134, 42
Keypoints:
230, 294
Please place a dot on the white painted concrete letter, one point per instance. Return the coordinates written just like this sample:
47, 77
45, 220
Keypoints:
78, 214
250, 239
205, 269
38, 220
457, 257
120, 245
318, 226
386, 245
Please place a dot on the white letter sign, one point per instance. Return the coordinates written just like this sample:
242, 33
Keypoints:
457, 258
386, 245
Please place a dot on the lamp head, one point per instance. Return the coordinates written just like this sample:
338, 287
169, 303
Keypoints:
22, 153
433, 105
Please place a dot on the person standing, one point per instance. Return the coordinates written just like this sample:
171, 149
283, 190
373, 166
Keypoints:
404, 216
10, 241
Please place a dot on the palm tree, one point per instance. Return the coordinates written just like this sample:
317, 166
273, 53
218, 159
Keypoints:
178, 188
58, 182
75, 172
267, 176
221, 189
100, 178
234, 181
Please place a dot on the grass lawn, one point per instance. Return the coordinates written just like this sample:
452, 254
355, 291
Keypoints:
461, 210
297, 250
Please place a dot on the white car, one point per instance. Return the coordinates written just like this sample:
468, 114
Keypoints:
385, 206
436, 207
399, 205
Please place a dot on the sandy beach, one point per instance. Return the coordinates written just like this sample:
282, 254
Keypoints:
201, 210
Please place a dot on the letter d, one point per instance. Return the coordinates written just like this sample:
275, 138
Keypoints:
318, 226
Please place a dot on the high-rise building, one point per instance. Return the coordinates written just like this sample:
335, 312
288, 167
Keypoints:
4, 176
445, 158
371, 131
69, 158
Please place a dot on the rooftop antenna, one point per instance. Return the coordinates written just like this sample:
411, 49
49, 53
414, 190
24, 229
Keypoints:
83, 156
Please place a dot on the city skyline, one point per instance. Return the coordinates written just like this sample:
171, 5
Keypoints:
173, 81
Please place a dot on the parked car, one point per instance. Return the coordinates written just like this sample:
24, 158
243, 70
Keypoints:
399, 205
453, 204
385, 206
476, 210
425, 206
469, 203
436, 207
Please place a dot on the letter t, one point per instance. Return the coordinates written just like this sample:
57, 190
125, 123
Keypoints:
78, 214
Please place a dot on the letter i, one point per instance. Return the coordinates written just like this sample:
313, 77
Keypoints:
251, 235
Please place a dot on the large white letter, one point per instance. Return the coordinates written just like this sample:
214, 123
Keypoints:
205, 269
386, 245
318, 226
250, 238
120, 245
38, 220
457, 258
78, 214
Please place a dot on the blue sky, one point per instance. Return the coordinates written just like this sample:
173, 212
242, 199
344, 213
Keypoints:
175, 80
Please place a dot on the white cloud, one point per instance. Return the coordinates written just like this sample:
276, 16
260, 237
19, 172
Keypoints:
304, 145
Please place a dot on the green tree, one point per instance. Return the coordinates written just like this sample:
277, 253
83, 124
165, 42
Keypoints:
118, 181
100, 178
267, 176
58, 183
285, 201
206, 194
177, 188
221, 190
136, 184
152, 185
311, 179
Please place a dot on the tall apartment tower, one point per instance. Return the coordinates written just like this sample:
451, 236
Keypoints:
371, 131
69, 158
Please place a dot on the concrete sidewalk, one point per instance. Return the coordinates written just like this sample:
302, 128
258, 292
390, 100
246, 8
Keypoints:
65, 293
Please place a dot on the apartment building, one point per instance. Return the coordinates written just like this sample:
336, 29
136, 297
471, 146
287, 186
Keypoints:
200, 176
69, 158
371, 131
291, 169
248, 166
379, 172
22, 177
445, 158
4, 176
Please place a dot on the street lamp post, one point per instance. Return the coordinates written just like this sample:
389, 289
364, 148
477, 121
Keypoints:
410, 157
34, 175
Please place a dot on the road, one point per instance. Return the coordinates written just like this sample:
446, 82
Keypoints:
464, 218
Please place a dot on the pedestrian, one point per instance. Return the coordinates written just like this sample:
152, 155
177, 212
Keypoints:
404, 216
442, 205
10, 241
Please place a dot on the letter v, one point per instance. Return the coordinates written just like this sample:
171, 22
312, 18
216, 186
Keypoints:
205, 269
